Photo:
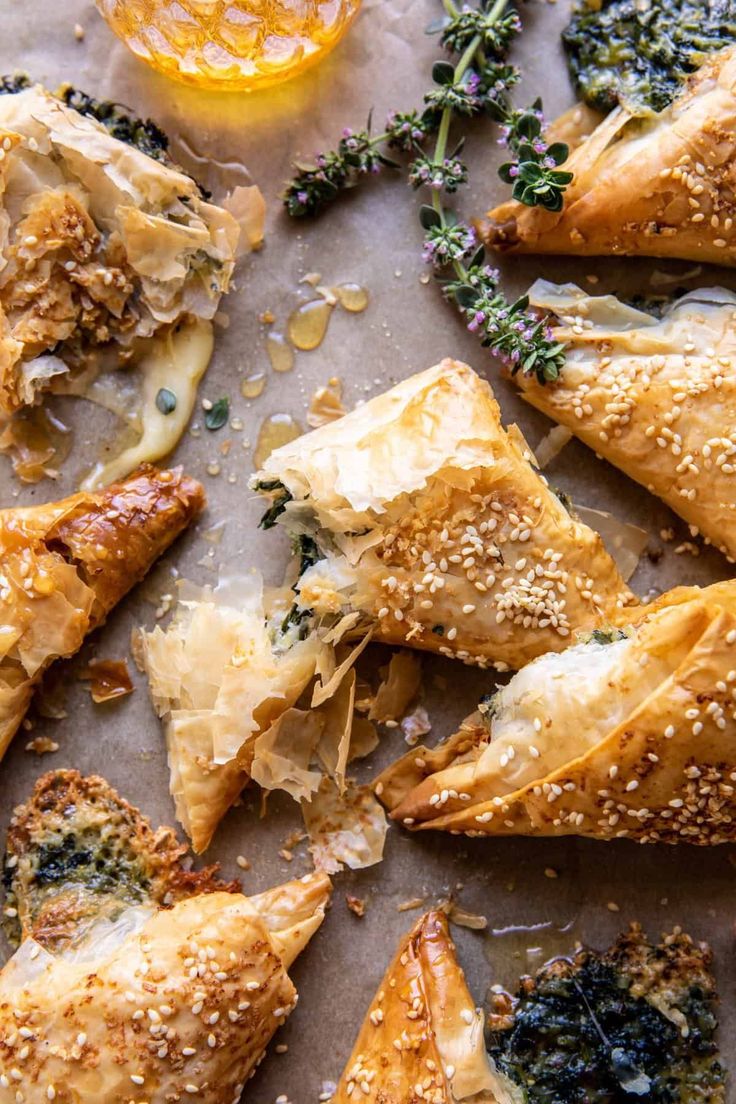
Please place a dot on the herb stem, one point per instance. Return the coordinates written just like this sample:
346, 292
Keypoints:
444, 129
479, 38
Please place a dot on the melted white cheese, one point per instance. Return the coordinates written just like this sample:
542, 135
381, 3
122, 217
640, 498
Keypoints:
176, 362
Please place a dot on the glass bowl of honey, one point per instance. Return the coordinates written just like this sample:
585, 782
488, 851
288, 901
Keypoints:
230, 44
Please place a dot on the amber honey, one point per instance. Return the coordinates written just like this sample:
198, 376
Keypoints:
230, 44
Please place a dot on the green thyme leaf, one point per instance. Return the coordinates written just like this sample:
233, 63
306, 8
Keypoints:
443, 72
166, 401
218, 414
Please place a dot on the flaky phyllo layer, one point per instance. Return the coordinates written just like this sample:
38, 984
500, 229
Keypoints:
221, 675
655, 396
630, 733
136, 975
226, 676
423, 519
101, 246
659, 186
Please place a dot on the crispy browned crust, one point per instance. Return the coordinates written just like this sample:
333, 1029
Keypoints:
394, 1072
139, 864
422, 1038
66, 564
678, 963
114, 537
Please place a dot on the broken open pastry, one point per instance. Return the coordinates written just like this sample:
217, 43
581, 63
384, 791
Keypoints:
136, 978
419, 517
64, 565
654, 396
102, 249
659, 185
630, 733
636, 1022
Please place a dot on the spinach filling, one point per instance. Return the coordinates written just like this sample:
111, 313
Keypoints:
584, 1032
102, 867
280, 498
606, 636
82, 872
120, 121
640, 51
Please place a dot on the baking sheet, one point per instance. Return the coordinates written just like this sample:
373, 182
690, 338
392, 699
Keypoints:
372, 238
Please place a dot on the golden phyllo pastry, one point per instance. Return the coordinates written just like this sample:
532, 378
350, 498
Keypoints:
630, 733
657, 186
422, 519
101, 246
136, 980
64, 565
422, 1038
654, 396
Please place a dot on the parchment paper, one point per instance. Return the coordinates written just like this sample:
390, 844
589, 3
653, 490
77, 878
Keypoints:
372, 238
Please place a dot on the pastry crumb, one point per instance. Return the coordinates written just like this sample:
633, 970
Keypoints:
355, 904
242, 862
79, 32
415, 724
108, 679
326, 404
550, 872
413, 903
42, 745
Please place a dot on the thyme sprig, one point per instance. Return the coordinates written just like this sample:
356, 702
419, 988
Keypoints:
477, 82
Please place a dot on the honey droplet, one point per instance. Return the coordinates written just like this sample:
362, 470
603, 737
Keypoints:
280, 352
37, 443
275, 431
252, 386
307, 324
351, 297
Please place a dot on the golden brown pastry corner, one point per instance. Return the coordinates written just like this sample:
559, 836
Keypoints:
65, 564
422, 1039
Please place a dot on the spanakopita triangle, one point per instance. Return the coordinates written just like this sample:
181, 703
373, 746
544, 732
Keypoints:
108, 996
656, 186
423, 519
655, 396
630, 733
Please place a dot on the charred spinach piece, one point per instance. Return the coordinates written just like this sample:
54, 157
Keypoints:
636, 1023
